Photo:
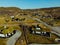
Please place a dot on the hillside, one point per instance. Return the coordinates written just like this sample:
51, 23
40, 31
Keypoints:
35, 25
55, 11
9, 10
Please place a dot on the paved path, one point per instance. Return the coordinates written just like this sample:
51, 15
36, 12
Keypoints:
12, 40
57, 29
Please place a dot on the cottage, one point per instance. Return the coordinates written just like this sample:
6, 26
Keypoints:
47, 34
12, 16
7, 35
34, 28
38, 28
2, 35
37, 32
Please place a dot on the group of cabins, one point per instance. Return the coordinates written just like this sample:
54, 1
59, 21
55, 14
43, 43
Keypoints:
7, 35
17, 19
38, 31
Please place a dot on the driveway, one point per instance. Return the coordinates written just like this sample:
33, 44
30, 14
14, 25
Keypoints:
12, 40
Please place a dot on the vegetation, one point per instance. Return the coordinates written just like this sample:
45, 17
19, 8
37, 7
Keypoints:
50, 16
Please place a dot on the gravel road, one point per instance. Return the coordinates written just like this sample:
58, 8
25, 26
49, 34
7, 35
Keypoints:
12, 40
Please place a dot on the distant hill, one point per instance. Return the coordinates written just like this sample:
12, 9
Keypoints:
54, 11
9, 10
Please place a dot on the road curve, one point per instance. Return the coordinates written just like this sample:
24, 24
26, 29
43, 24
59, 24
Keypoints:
12, 40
